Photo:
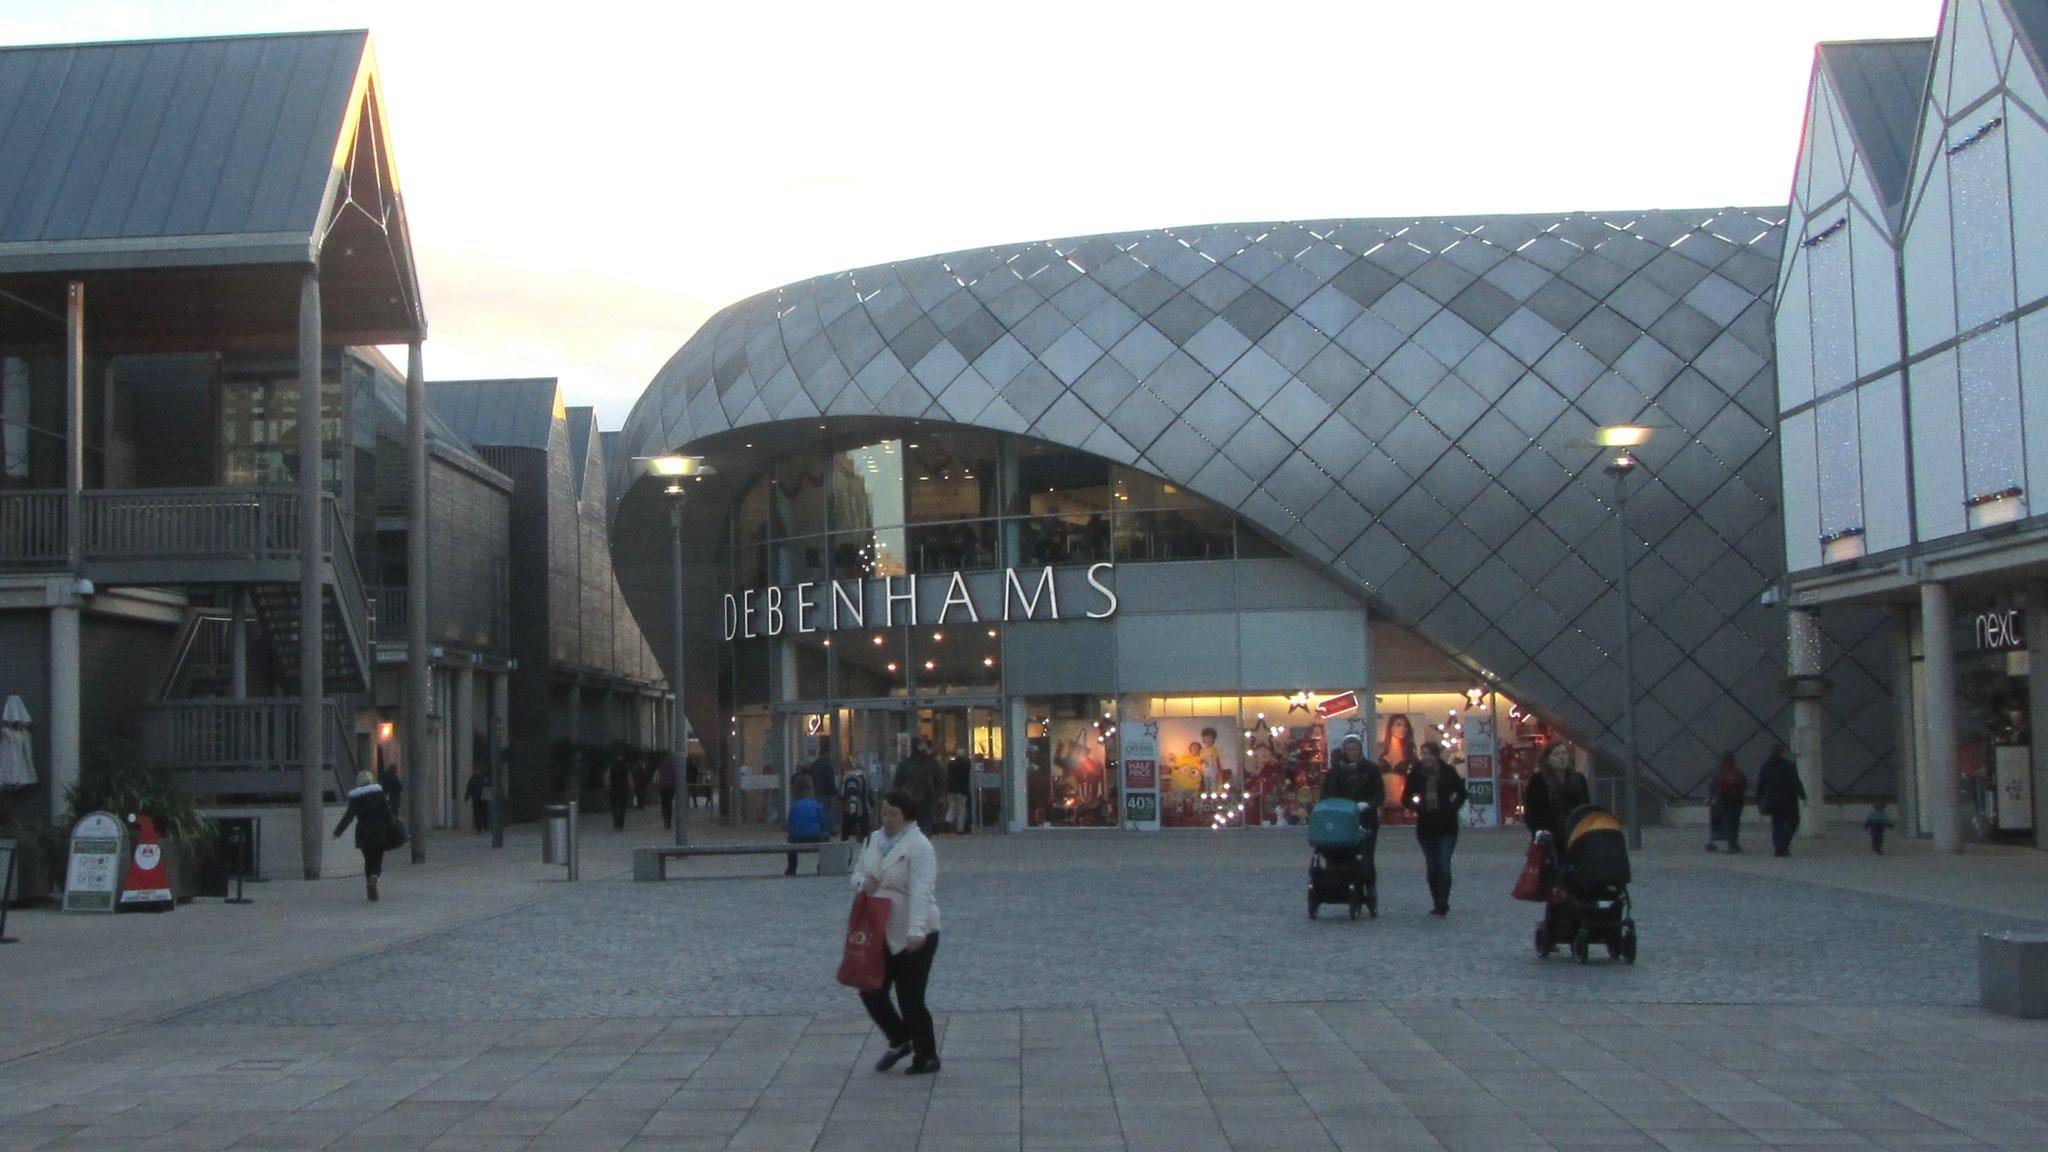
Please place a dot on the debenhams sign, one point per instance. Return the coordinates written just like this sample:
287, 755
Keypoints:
934, 598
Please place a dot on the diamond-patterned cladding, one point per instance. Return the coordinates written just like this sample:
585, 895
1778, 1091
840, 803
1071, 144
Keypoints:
1438, 369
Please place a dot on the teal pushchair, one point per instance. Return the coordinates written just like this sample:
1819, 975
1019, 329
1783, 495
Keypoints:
1341, 841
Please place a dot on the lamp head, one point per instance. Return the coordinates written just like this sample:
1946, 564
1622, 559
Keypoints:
1621, 465
1621, 436
676, 466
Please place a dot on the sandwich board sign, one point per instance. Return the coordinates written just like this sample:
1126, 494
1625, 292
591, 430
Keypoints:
98, 850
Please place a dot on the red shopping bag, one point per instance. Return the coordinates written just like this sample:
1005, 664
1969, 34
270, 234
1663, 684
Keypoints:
1529, 885
866, 958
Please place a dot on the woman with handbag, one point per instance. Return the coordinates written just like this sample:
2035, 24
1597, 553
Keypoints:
375, 827
898, 865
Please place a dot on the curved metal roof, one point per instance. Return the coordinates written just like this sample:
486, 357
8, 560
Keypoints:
1402, 401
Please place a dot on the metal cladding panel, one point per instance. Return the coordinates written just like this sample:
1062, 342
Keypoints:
1399, 401
134, 140
1880, 84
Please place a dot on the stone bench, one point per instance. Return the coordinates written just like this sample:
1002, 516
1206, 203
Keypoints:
650, 862
2012, 973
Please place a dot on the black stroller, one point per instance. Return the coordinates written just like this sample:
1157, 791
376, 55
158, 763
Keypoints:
1588, 881
1340, 866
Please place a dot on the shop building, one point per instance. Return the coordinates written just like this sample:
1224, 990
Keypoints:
1913, 405
1279, 481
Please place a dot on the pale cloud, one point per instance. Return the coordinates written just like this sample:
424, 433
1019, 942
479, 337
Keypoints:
588, 183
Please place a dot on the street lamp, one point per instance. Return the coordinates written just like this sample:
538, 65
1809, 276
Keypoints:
1622, 438
678, 469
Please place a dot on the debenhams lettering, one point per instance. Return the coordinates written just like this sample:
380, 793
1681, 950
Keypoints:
835, 604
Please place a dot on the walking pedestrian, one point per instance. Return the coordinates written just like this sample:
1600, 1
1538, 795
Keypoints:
959, 777
394, 788
478, 793
618, 791
1352, 777
1779, 793
1555, 791
1877, 822
370, 811
642, 775
665, 784
855, 821
899, 865
1729, 792
1435, 793
806, 822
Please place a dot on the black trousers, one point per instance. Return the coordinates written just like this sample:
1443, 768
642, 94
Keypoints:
373, 861
668, 807
1436, 857
907, 973
1784, 825
802, 840
479, 815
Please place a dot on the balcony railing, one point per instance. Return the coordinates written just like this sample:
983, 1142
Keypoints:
391, 614
128, 526
246, 748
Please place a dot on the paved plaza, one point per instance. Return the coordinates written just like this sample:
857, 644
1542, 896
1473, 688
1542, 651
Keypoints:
1095, 991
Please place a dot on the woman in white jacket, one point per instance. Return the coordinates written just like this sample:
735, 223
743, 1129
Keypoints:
898, 864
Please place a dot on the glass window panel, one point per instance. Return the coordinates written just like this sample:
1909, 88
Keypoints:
867, 486
1191, 533
812, 682
1253, 544
1051, 479
950, 476
750, 568
1070, 762
1080, 538
751, 521
797, 495
870, 554
1992, 458
797, 561
960, 546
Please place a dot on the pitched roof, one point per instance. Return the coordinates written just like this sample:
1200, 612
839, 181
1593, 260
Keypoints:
2030, 20
1880, 84
581, 422
499, 413
176, 145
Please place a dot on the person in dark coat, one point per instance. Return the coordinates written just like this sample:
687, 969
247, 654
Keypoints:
959, 781
478, 793
394, 788
920, 775
1436, 793
1353, 777
619, 791
1555, 791
1727, 795
1779, 793
665, 784
370, 811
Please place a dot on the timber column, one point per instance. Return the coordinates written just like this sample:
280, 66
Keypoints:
419, 669
312, 635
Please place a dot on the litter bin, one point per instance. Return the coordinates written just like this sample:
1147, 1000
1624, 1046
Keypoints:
558, 836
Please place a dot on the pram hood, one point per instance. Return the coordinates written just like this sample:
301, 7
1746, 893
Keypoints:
1595, 849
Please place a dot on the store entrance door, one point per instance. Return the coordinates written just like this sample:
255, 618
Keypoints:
876, 736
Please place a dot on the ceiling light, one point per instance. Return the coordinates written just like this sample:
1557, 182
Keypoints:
1621, 436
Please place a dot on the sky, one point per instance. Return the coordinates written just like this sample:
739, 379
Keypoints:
588, 182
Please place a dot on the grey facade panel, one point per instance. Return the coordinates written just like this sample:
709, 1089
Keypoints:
1472, 406
1047, 659
1304, 651
1184, 652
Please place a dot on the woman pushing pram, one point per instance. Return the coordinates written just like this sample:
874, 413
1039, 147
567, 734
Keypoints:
1584, 876
1343, 833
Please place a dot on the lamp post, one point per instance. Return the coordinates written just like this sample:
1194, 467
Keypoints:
677, 469
1623, 437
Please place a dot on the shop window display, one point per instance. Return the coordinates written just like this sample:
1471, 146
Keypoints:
1070, 762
